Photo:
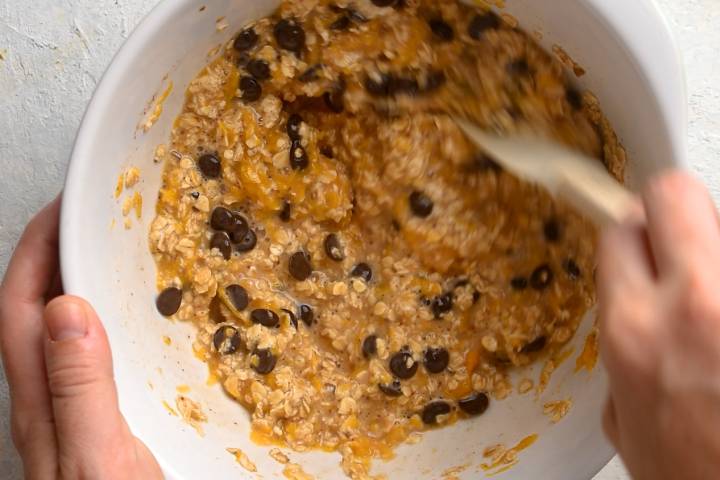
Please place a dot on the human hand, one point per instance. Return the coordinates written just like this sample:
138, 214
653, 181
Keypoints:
659, 305
66, 423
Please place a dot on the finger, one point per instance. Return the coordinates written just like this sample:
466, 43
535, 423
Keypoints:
21, 335
90, 429
609, 423
682, 222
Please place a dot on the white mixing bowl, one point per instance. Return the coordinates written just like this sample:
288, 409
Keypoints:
632, 66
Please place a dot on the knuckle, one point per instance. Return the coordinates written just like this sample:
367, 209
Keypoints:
73, 375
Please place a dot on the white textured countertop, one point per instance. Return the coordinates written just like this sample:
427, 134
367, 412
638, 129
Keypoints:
52, 53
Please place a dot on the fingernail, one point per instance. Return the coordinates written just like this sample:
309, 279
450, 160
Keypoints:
66, 320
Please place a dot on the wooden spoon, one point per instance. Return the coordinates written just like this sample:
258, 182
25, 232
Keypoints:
580, 180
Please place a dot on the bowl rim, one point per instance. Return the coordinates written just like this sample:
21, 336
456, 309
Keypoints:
672, 99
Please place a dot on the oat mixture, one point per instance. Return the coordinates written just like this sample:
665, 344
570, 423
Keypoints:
356, 269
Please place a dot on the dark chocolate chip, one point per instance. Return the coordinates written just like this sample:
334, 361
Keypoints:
342, 23
519, 67
541, 278
433, 410
434, 80
572, 269
335, 99
263, 361
551, 230
298, 156
441, 29
436, 359
535, 346
290, 35
474, 404
311, 74
210, 165
243, 60
240, 229
226, 340
383, 3
221, 241
307, 315
247, 243
169, 300
286, 213
393, 389
293, 126
264, 317
362, 270
379, 87
369, 346
260, 69
519, 283
421, 205
251, 89
574, 98
246, 40
403, 365
333, 248
406, 86
299, 266
482, 23
222, 219
195, 195
327, 151
238, 297
293, 317
475, 297
442, 304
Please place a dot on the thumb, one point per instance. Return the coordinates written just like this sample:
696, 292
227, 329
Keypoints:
91, 432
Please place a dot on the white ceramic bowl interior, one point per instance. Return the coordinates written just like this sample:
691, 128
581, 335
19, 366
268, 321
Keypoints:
633, 68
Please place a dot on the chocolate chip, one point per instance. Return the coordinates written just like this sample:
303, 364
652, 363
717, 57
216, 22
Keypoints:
246, 40
169, 300
383, 3
369, 346
436, 359
551, 230
260, 69
574, 98
263, 361
247, 243
393, 389
519, 67
311, 74
482, 163
286, 213
381, 86
251, 89
226, 340
289, 35
362, 270
482, 23
293, 318
238, 296
474, 404
264, 317
519, 283
535, 346
335, 98
433, 410
475, 297
299, 266
434, 80
402, 364
420, 204
342, 23
307, 315
442, 304
221, 241
242, 60
327, 151
441, 29
240, 229
572, 269
406, 86
293, 126
210, 165
195, 195
541, 277
222, 219
298, 156
333, 248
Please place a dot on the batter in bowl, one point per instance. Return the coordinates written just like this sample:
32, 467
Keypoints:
356, 269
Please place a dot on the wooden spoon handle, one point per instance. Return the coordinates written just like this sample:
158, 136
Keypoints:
600, 197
